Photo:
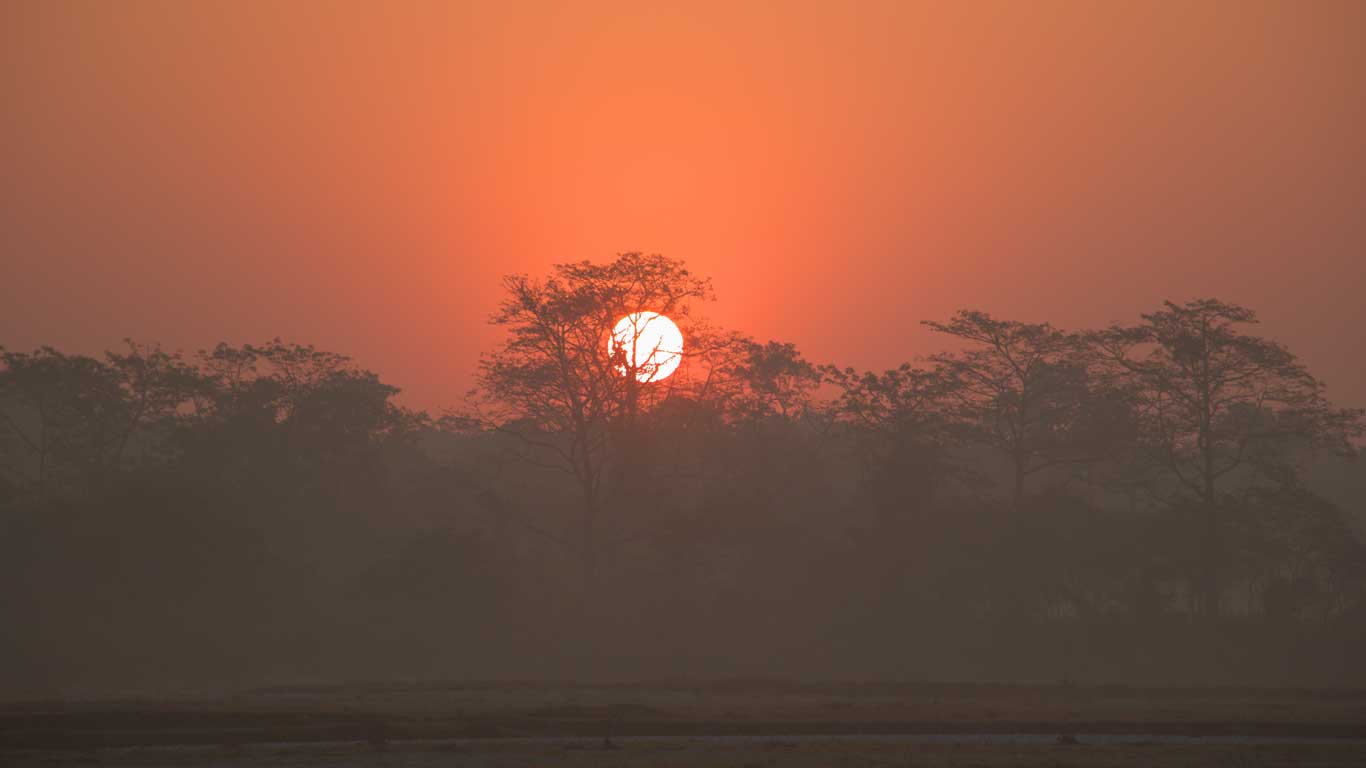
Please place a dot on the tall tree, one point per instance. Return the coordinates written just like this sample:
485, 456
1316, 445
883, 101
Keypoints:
1020, 388
554, 387
1220, 411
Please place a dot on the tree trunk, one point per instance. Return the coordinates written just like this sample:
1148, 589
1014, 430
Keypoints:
1019, 459
589, 553
590, 550
1211, 554
42, 454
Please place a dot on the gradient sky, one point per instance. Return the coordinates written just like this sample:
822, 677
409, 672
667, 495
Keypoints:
359, 176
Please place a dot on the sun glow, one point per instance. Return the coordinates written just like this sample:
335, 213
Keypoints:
651, 343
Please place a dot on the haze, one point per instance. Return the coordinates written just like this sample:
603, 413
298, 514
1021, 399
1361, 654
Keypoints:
360, 176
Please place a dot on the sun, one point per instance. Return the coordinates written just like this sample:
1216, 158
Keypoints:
651, 343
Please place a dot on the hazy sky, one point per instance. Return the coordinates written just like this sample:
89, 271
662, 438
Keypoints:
359, 176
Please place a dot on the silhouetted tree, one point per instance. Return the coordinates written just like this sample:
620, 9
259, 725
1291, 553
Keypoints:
553, 385
38, 392
1019, 387
1219, 412
1297, 551
898, 423
77, 416
777, 382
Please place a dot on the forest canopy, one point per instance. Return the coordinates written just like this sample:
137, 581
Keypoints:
1172, 499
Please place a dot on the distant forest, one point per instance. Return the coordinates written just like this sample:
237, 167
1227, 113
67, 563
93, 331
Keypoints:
1172, 500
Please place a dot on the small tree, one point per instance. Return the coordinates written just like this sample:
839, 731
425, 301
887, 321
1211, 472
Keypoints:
897, 423
776, 381
77, 417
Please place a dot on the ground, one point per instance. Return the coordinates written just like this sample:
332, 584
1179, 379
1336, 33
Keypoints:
735, 724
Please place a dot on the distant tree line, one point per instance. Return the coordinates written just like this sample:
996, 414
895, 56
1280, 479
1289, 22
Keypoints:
1170, 500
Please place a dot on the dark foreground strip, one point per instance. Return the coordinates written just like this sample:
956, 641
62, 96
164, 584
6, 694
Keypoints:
90, 730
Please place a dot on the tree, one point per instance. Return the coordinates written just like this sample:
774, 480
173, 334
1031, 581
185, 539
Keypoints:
155, 385
78, 416
1219, 411
897, 420
775, 428
553, 386
281, 410
776, 381
1021, 388
1297, 549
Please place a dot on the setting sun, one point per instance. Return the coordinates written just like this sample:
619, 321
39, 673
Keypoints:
652, 343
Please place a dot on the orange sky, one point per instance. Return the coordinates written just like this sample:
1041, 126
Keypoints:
359, 176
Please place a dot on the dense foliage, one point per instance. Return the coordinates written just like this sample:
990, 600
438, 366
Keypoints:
1168, 501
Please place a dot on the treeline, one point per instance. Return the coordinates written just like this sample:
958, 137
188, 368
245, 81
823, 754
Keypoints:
1167, 501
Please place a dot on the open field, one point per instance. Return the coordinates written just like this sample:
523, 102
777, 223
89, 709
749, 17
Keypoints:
732, 724
766, 753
